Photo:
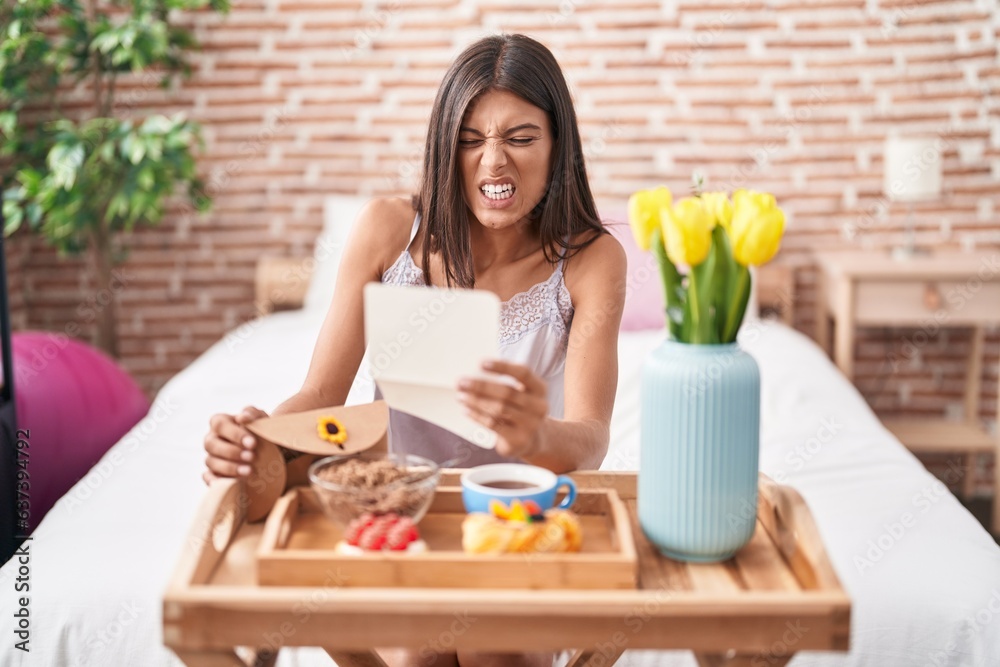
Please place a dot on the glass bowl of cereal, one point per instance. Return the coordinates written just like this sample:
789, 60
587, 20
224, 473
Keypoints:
349, 487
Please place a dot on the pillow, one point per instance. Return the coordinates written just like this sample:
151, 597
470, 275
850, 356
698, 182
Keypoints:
644, 299
643, 286
339, 214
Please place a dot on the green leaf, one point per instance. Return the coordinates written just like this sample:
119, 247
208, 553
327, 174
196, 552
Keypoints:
701, 287
739, 296
64, 161
70, 176
145, 178
725, 270
672, 292
134, 148
13, 215
736, 292
8, 122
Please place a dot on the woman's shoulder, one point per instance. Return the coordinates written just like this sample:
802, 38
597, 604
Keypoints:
387, 217
602, 259
382, 230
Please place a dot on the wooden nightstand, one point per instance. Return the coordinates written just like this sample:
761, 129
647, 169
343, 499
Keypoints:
858, 289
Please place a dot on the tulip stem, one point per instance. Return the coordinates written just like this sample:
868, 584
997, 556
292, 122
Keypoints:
670, 278
695, 307
736, 301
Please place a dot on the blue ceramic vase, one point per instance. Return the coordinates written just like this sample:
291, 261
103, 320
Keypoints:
699, 437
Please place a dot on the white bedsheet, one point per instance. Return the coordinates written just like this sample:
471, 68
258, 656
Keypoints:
101, 559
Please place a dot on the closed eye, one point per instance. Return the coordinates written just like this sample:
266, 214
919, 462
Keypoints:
514, 141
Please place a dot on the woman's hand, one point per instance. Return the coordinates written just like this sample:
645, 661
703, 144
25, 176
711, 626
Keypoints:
229, 445
516, 413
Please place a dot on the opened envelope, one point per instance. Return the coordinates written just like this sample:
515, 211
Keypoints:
421, 341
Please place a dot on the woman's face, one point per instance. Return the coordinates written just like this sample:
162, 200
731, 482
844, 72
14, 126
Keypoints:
505, 157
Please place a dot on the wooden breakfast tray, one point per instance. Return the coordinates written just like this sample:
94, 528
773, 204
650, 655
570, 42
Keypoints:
296, 549
777, 596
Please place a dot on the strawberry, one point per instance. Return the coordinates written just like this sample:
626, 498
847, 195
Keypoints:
385, 531
401, 534
407, 526
356, 527
396, 541
373, 537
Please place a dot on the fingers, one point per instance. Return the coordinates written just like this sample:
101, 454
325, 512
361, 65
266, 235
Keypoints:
224, 468
502, 401
208, 476
222, 449
483, 392
491, 417
229, 445
523, 374
249, 414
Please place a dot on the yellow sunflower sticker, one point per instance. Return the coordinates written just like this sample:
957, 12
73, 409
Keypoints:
332, 430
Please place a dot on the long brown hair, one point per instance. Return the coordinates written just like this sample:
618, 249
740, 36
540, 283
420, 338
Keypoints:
528, 69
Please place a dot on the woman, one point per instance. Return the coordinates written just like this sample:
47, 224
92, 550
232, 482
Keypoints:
504, 206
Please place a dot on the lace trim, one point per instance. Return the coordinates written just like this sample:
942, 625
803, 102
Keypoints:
547, 302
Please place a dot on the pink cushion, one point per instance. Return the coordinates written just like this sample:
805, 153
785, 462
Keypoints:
644, 288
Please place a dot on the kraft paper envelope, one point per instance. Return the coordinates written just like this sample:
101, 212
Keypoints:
421, 341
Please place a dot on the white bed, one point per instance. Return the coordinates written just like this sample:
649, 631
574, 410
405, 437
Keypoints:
101, 558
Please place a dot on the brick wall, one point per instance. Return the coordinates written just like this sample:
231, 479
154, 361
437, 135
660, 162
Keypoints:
301, 98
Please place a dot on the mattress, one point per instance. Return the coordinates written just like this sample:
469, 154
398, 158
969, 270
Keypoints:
924, 593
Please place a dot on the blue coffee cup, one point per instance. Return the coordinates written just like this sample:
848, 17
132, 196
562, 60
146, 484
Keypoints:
507, 482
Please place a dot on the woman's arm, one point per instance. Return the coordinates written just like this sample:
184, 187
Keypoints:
378, 236
595, 278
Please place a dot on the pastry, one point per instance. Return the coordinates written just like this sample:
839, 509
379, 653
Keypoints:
521, 529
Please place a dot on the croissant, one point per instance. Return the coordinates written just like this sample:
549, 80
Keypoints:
487, 534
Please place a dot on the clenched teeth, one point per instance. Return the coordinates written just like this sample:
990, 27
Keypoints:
498, 191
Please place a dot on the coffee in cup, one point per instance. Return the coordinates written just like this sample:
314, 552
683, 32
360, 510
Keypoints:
507, 482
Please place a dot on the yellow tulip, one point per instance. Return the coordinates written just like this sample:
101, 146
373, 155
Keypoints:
756, 227
687, 231
719, 206
644, 210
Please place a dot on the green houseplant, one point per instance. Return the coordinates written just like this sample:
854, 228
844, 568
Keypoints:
80, 178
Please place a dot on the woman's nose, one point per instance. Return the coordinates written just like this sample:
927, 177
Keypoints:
494, 155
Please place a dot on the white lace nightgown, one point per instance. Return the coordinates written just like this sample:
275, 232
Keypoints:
534, 331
